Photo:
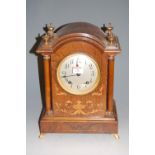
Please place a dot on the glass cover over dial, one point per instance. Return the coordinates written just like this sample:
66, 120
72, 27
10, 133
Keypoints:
78, 74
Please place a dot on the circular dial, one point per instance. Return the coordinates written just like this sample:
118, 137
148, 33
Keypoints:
78, 74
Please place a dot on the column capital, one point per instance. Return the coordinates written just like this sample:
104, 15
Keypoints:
111, 57
46, 57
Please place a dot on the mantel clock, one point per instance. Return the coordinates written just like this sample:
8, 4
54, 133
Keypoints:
78, 60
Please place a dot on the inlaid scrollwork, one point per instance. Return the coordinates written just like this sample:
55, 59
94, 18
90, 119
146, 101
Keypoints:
60, 93
99, 93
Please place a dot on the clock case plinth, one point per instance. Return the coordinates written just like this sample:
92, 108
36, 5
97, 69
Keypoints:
93, 39
52, 124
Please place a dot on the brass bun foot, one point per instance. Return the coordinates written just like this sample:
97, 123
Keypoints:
41, 135
116, 136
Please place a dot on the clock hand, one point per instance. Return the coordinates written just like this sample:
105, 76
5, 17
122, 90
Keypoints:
71, 75
67, 76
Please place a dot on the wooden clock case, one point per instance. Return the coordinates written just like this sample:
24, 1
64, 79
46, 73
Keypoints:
94, 112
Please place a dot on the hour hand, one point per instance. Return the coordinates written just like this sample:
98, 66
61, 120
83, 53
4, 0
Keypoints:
71, 75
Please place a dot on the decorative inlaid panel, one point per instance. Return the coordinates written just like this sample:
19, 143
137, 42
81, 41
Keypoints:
78, 108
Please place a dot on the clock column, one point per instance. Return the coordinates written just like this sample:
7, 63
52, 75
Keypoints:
110, 83
46, 60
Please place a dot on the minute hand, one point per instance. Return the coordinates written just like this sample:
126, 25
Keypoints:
71, 75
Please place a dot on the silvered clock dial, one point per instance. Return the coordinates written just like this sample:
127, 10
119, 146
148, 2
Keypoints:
78, 74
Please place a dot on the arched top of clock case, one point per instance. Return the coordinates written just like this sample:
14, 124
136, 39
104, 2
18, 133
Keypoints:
76, 31
80, 27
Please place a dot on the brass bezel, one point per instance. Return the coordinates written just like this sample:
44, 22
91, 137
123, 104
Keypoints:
84, 92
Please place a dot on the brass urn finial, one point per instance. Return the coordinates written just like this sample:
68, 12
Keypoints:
109, 27
110, 34
50, 30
